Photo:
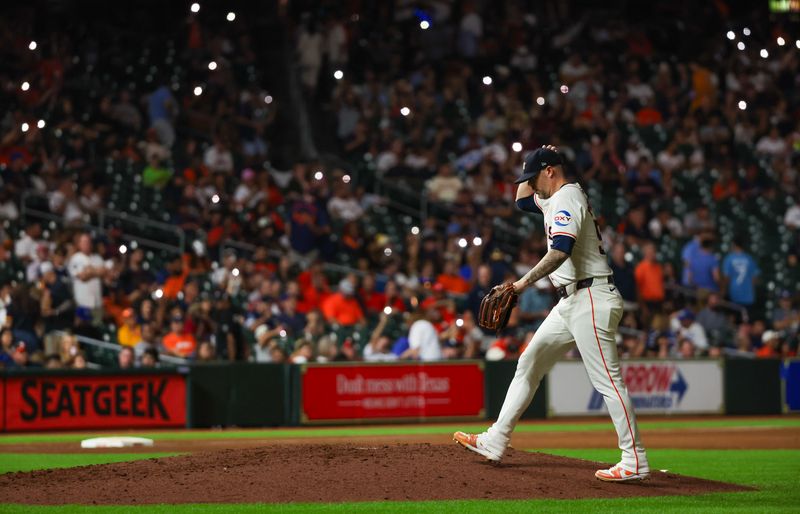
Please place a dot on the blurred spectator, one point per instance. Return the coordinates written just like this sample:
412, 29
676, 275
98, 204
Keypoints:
315, 326
490, 124
288, 317
344, 206
303, 352
470, 31
740, 273
379, 348
336, 43
634, 226
218, 158
126, 113
57, 304
664, 223
451, 280
205, 352
342, 307
149, 358
7, 348
786, 318
623, 275
263, 339
534, 305
67, 347
649, 275
481, 288
246, 194
715, 322
686, 349
727, 186
327, 350
444, 187
130, 332
644, 184
162, 110
277, 354
177, 341
771, 345
701, 270
670, 158
792, 217
661, 346
87, 270
771, 144
683, 324
309, 49
507, 347
78, 361
25, 247
52, 361
308, 226
22, 315
699, 220
372, 300
125, 358
391, 158
423, 340
64, 202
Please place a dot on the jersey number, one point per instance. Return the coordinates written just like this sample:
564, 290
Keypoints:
596, 227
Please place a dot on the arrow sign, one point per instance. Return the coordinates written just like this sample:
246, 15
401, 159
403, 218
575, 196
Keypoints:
679, 386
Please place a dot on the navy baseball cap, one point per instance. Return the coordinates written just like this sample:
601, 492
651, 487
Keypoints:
536, 161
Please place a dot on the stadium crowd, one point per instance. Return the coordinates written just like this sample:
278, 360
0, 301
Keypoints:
670, 146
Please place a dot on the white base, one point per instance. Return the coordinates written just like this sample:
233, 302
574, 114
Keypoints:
116, 442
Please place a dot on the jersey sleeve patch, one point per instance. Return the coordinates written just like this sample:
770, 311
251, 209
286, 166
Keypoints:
563, 242
562, 218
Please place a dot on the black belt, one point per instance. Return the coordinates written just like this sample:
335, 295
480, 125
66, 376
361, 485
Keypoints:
581, 284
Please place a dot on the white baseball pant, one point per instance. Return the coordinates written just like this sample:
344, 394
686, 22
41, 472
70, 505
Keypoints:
589, 318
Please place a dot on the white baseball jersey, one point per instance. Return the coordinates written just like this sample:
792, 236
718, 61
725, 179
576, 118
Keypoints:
567, 215
586, 319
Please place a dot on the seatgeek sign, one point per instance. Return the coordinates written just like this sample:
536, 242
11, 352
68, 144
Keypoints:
77, 401
655, 387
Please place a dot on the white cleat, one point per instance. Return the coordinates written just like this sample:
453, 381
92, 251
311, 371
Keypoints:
619, 474
471, 442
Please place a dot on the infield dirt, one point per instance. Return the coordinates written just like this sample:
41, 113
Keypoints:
335, 473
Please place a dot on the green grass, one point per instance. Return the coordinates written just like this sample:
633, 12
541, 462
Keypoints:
412, 430
774, 472
29, 461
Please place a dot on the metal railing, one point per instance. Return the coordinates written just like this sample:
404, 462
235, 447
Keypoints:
105, 218
421, 206
695, 293
248, 249
116, 348
27, 212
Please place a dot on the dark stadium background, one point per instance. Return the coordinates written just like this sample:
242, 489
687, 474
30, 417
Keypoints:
219, 271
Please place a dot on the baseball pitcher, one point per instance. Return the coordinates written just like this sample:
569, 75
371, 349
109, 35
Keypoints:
586, 315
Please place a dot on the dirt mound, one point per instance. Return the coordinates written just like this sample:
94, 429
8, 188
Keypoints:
334, 473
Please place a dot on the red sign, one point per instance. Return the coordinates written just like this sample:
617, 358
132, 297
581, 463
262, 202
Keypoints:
95, 401
392, 391
2, 404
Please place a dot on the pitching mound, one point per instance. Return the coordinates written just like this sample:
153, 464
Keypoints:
335, 473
